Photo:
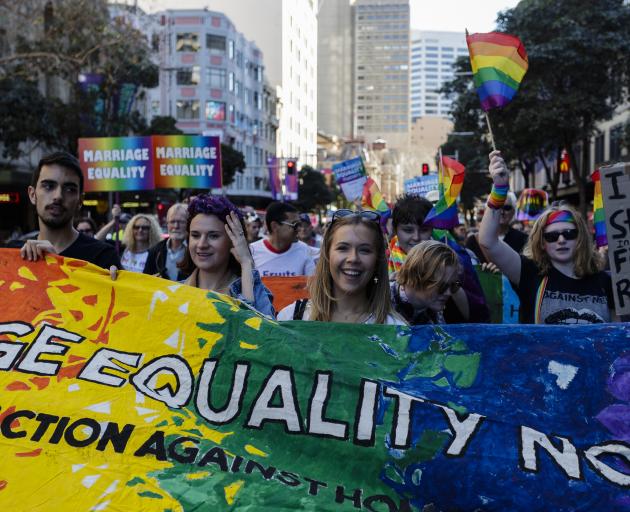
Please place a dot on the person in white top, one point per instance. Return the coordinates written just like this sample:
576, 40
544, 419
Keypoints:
280, 254
350, 284
141, 233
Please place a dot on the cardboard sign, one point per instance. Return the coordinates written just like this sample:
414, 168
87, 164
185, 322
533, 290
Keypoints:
351, 176
615, 180
421, 185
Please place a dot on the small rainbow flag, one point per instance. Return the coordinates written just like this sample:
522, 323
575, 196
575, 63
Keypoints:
443, 215
599, 216
499, 63
531, 203
372, 199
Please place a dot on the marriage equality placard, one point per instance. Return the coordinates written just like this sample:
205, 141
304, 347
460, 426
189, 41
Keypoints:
144, 163
144, 394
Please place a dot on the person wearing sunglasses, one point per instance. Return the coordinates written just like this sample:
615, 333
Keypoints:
429, 277
141, 233
514, 238
558, 277
350, 284
281, 254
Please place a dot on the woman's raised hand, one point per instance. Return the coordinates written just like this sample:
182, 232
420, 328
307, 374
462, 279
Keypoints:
240, 249
498, 169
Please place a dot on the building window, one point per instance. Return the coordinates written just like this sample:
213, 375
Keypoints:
231, 49
616, 134
216, 78
155, 108
599, 149
187, 109
187, 42
230, 81
188, 76
215, 111
216, 44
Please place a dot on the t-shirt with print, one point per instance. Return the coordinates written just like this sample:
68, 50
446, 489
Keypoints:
565, 300
295, 261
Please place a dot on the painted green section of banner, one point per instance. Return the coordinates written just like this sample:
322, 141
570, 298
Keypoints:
144, 394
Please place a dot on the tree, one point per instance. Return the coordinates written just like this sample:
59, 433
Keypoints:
232, 161
313, 193
162, 125
76, 52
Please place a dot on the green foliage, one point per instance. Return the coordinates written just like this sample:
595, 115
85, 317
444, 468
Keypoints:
579, 63
232, 161
313, 193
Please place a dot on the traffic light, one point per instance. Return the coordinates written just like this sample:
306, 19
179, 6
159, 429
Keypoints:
291, 167
425, 169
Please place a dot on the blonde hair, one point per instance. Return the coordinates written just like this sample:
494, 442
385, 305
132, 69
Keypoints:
426, 264
586, 260
320, 286
155, 232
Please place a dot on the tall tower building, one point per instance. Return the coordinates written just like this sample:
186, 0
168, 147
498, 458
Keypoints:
286, 33
432, 57
335, 48
381, 71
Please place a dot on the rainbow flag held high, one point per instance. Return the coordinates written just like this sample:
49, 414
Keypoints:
499, 63
372, 199
599, 216
443, 215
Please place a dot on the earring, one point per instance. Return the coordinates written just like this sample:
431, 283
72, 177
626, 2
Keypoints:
375, 279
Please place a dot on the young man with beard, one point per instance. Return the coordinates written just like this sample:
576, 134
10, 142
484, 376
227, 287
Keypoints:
165, 255
56, 191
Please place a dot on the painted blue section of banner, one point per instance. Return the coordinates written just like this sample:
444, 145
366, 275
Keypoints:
511, 303
560, 382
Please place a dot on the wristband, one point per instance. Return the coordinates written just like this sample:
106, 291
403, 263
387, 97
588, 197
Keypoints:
497, 196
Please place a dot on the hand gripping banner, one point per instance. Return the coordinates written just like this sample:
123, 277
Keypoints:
143, 394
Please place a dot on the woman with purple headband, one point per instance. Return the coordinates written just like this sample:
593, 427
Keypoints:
218, 256
558, 278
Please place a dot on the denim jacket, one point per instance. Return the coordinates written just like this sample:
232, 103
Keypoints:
263, 298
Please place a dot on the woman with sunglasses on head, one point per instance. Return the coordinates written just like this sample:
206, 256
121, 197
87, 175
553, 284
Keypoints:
142, 233
428, 278
557, 279
350, 284
218, 256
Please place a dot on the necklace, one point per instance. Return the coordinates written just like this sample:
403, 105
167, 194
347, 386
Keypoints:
224, 283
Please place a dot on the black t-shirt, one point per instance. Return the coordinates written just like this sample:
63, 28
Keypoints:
92, 250
565, 300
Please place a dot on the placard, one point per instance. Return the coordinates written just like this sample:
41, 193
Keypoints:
421, 185
350, 176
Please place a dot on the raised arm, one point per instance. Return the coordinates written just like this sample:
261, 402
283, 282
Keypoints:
497, 251
101, 234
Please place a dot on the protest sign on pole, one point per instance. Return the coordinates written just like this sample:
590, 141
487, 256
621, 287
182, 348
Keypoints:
350, 176
144, 394
114, 164
187, 161
421, 185
615, 181
274, 178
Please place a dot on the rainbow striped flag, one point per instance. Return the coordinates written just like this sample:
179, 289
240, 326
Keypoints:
443, 215
499, 63
372, 199
599, 216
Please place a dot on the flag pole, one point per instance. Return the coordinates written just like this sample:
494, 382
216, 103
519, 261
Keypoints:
494, 147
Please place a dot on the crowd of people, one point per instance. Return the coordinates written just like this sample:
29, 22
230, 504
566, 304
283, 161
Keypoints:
359, 271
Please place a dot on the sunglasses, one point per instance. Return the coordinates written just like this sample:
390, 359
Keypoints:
293, 225
141, 228
507, 208
452, 287
366, 214
553, 236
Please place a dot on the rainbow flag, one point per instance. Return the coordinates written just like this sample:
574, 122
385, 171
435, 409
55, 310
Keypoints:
599, 217
372, 199
499, 63
443, 215
531, 203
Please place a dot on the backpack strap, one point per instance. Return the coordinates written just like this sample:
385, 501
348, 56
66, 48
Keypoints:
300, 307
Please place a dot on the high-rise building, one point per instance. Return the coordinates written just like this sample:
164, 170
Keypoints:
432, 57
335, 68
286, 32
381, 71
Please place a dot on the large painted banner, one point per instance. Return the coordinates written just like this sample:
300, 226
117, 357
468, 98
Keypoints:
143, 394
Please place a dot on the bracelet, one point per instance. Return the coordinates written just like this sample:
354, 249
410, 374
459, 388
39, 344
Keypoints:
497, 196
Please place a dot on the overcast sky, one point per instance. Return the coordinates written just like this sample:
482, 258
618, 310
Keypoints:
450, 15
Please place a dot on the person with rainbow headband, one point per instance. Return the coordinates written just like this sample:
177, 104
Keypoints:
558, 277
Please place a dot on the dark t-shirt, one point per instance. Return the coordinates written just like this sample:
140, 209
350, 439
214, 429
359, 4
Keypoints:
92, 250
565, 300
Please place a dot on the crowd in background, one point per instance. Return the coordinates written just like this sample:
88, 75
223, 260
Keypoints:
362, 268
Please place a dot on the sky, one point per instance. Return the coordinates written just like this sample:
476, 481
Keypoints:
449, 15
